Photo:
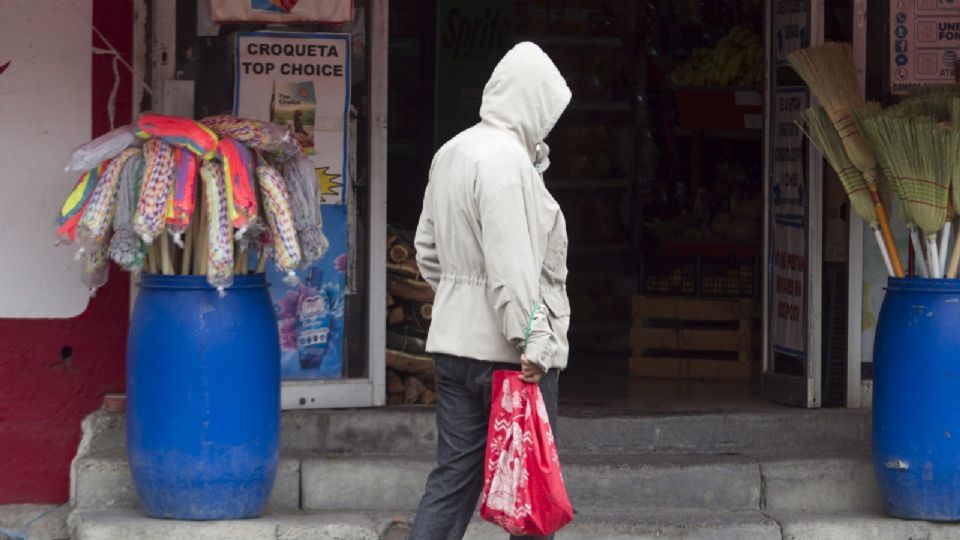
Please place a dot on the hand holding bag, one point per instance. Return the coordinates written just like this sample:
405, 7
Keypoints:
523, 489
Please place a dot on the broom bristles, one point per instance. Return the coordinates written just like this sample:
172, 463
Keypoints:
890, 189
912, 149
953, 155
830, 73
824, 136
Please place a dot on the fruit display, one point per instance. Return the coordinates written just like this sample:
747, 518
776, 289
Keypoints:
736, 60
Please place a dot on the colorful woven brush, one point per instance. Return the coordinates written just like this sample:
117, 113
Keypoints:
220, 239
126, 247
68, 219
238, 168
183, 200
277, 210
95, 269
103, 148
158, 177
300, 177
94, 226
178, 131
258, 135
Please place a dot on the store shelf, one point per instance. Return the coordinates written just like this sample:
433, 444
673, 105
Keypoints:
585, 183
601, 106
572, 41
600, 247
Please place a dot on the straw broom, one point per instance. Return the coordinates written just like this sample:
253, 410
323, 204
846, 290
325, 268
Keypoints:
822, 134
877, 139
913, 149
953, 172
830, 73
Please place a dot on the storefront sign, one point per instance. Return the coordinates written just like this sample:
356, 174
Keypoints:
302, 81
791, 27
924, 43
471, 38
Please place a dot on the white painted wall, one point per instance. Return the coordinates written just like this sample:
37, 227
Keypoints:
45, 96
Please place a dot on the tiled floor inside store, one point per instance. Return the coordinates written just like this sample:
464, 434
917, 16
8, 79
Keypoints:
615, 392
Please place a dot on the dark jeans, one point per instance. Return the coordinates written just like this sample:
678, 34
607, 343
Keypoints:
464, 389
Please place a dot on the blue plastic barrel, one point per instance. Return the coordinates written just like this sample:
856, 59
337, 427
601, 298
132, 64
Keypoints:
916, 399
203, 397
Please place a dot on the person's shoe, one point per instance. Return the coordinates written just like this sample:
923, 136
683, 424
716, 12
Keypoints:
397, 530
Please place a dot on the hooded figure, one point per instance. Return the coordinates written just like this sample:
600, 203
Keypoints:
492, 243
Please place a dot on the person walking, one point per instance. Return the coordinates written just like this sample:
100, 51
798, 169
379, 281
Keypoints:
492, 243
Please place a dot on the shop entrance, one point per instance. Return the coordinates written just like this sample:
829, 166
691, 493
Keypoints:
659, 165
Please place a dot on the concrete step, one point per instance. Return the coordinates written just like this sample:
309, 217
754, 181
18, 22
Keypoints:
103, 481
654, 481
34, 521
697, 525
581, 431
860, 526
370, 526
621, 482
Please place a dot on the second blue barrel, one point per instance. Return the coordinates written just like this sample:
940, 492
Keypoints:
916, 399
203, 390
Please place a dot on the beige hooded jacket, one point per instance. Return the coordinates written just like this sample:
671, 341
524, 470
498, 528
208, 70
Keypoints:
492, 241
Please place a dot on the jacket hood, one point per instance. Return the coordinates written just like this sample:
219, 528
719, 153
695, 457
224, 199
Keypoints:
525, 95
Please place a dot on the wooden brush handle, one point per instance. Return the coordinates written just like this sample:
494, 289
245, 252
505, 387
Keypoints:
954, 258
888, 238
872, 184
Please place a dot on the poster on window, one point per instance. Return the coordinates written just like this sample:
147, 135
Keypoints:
924, 43
302, 81
791, 28
281, 11
789, 196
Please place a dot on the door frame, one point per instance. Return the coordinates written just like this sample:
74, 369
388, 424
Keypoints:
799, 391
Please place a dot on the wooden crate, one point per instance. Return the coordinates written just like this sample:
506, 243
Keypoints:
695, 338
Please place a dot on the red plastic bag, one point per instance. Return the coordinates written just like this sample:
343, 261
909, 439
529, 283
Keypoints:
523, 489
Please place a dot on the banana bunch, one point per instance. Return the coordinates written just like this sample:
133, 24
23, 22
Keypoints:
737, 60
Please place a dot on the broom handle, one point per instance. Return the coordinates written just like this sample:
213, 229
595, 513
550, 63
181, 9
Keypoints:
934, 257
166, 262
262, 261
885, 228
187, 250
954, 259
918, 248
883, 250
945, 246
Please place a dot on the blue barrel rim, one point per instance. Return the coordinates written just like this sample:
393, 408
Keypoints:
190, 282
923, 285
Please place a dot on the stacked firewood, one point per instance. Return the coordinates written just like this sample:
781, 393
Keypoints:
409, 311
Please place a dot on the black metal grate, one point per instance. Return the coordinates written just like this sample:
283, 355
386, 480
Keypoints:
834, 338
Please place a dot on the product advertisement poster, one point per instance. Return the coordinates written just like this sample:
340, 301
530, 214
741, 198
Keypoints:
924, 43
791, 28
302, 81
788, 238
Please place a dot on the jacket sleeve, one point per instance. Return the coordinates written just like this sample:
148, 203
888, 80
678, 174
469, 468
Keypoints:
513, 274
426, 245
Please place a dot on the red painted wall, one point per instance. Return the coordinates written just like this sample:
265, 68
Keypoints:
42, 398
